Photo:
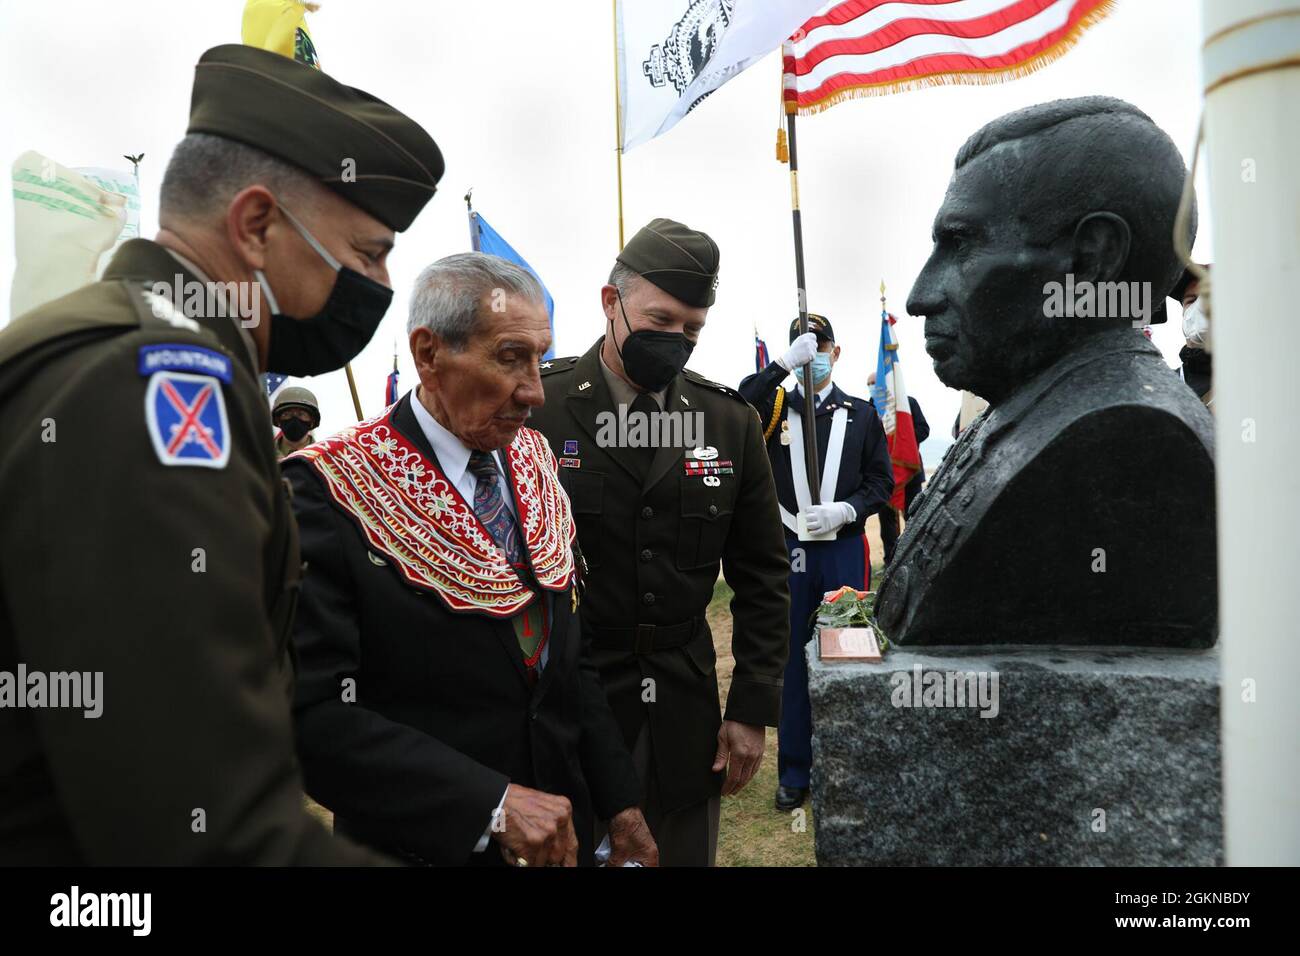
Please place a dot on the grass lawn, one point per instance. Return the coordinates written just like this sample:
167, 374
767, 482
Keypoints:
752, 832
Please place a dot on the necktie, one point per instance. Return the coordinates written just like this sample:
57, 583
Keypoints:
644, 456
490, 506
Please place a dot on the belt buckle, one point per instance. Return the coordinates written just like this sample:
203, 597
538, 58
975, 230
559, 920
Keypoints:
644, 642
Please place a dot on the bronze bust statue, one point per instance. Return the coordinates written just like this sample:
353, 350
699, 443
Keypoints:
1079, 507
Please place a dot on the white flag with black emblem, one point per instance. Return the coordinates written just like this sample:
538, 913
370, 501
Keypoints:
674, 53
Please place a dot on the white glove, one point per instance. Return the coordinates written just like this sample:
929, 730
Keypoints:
800, 353
828, 519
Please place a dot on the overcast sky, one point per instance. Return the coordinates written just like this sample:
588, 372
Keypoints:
519, 96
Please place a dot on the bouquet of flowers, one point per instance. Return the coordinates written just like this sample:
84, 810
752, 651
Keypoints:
849, 608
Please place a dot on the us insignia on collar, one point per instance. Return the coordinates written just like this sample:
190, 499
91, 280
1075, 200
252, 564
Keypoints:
186, 418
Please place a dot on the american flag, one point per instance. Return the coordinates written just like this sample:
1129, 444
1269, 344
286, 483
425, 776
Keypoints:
871, 47
272, 381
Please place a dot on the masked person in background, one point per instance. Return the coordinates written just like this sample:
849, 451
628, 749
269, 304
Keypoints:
155, 546
1197, 369
668, 478
295, 414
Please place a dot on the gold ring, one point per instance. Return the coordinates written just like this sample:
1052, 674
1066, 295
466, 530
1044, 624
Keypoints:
520, 861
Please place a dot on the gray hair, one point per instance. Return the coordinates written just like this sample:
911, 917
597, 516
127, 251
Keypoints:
206, 172
623, 277
448, 294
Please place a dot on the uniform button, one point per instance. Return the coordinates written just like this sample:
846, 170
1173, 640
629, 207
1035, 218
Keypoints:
647, 512
647, 598
713, 511
647, 554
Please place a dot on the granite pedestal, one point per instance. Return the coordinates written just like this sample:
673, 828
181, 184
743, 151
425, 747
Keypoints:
1083, 756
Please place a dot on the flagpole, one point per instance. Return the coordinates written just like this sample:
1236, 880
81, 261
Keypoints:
809, 416
618, 129
352, 386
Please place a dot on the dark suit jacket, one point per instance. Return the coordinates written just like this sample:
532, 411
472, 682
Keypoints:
866, 477
444, 716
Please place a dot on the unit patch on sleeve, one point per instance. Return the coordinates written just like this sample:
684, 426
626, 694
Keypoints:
186, 417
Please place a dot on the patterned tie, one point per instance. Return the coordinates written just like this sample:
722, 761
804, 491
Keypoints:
490, 506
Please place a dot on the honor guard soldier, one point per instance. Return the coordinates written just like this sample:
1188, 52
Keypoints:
149, 538
856, 478
654, 524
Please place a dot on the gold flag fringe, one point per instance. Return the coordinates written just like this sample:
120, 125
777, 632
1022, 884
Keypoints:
971, 78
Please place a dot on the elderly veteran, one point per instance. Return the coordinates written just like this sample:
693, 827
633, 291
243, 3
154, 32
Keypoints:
154, 543
445, 699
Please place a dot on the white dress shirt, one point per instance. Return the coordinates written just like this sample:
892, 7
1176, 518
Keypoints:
818, 397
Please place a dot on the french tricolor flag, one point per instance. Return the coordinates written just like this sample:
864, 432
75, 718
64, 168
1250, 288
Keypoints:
890, 398
390, 388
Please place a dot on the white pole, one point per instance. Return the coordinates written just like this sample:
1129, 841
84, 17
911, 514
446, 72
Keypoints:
1251, 61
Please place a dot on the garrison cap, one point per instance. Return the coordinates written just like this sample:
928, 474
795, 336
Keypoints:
305, 117
819, 325
680, 260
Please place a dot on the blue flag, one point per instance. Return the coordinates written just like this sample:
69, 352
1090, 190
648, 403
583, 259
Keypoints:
483, 238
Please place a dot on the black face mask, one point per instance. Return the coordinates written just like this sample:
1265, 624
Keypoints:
333, 336
652, 359
294, 428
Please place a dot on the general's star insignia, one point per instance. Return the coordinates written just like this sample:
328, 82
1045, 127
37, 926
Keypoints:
546, 365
